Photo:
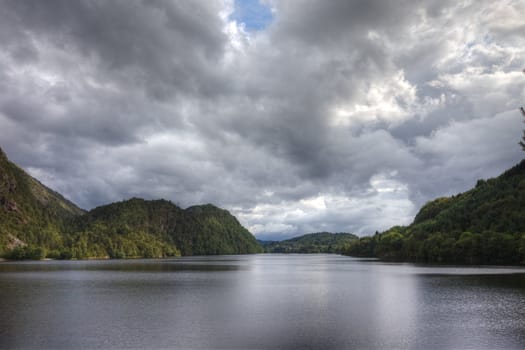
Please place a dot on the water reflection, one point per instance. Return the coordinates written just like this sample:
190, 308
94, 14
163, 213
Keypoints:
260, 301
139, 265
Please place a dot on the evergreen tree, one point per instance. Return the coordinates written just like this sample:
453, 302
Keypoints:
522, 143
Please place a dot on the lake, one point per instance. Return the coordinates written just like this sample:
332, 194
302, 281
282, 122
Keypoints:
259, 301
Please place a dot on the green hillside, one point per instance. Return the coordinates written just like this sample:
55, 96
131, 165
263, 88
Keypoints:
485, 225
29, 211
36, 222
319, 242
211, 230
137, 227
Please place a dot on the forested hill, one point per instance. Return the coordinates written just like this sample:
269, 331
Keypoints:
485, 225
29, 211
319, 242
198, 230
36, 222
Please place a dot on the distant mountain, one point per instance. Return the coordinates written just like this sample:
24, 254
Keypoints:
485, 225
37, 222
319, 242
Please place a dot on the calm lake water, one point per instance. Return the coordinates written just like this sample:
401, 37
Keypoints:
259, 301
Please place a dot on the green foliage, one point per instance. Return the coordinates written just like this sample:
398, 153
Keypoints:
432, 209
522, 142
36, 222
319, 242
106, 242
485, 225
160, 228
31, 214
26, 253
389, 244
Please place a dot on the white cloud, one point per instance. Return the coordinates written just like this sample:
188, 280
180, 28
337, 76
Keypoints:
383, 203
391, 100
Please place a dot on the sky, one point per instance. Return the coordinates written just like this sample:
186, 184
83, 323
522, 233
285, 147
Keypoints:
296, 115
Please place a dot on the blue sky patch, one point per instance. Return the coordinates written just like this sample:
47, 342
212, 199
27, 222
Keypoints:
253, 13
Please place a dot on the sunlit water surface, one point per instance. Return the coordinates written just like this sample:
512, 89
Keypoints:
259, 301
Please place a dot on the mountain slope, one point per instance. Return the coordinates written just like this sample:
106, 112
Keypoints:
36, 222
30, 213
198, 230
484, 225
319, 242
211, 230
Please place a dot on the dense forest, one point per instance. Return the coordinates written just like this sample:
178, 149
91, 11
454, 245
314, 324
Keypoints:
170, 230
319, 242
485, 225
36, 222
32, 217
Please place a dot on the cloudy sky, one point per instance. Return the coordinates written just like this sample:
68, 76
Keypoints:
297, 116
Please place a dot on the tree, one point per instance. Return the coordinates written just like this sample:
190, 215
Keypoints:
522, 143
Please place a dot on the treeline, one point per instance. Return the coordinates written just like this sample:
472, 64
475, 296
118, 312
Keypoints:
399, 244
319, 242
100, 241
485, 225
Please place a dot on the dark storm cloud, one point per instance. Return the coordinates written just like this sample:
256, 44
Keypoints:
93, 69
339, 115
